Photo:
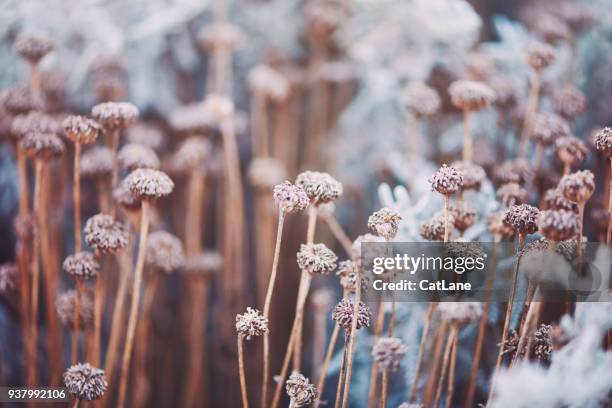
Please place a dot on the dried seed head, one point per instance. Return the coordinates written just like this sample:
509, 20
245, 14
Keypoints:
447, 180
499, 228
316, 258
349, 272
125, 198
470, 95
569, 102
105, 234
463, 215
85, 381
385, 222
80, 129
32, 122
479, 66
145, 134
603, 141
511, 194
571, 150
220, 35
192, 154
522, 218
513, 171
8, 278
548, 127
290, 198
268, 82
343, 314
473, 174
507, 91
433, 229
191, 119
42, 146
543, 346
19, 100
460, 313
251, 323
164, 252
421, 100
578, 187
149, 183
65, 305
115, 115
388, 353
299, 389
540, 56
266, 172
206, 263
54, 85
135, 156
81, 265
368, 238
97, 162
320, 187
33, 47
558, 225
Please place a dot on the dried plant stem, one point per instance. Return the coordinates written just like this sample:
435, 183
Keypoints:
378, 330
580, 229
446, 226
450, 342
539, 156
243, 390
527, 329
422, 343
338, 232
467, 136
500, 355
76, 403
317, 103
103, 196
436, 363
284, 368
98, 306
351, 343
567, 168
328, 355
74, 354
266, 309
609, 232
193, 217
530, 112
469, 400
76, 197
286, 131
259, 123
451, 373
22, 170
341, 374
34, 78
114, 147
133, 317
412, 139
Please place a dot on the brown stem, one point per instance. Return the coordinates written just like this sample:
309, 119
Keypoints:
580, 229
384, 386
266, 309
74, 355
99, 294
532, 108
328, 355
131, 328
243, 391
76, 403
609, 232
446, 226
451, 373
445, 363
378, 329
76, 197
283, 373
529, 326
539, 155
424, 335
351, 345
39, 166
338, 233
114, 146
34, 78
433, 378
467, 137
22, 170
259, 124
341, 374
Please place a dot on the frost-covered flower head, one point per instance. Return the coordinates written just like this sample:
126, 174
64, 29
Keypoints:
463, 215
33, 47
554, 199
385, 222
136, 156
290, 198
149, 183
578, 187
433, 229
540, 56
473, 174
19, 100
32, 122
569, 102
460, 313
192, 119
125, 198
571, 150
316, 258
421, 100
192, 154
548, 127
80, 129
145, 134
42, 146
523, 218
115, 115
542, 342
507, 91
343, 314
81, 265
558, 225
603, 141
85, 381
299, 389
511, 194
320, 187
266, 172
447, 180
470, 95
96, 162
499, 228
105, 234
251, 323
513, 171
164, 251
388, 353
350, 272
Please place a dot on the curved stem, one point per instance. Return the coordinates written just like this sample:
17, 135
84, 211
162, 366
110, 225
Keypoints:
243, 391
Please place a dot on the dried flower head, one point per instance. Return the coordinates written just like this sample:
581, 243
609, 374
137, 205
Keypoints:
349, 272
507, 91
65, 305
385, 222
251, 323
145, 134
191, 119
433, 229
388, 353
80, 129
206, 263
105, 234
447, 180
343, 314
34, 121
97, 162
320, 187
266, 172
33, 47
8, 277
513, 171
299, 389
220, 35
19, 100
569, 102
290, 198
522, 218
164, 251
356, 250
462, 214
473, 174
499, 228
603, 141
192, 154
135, 156
85, 381
316, 258
115, 115
540, 56
548, 127
542, 342
421, 100
268, 82
43, 146
571, 150
558, 225
578, 187
81, 265
479, 66
149, 183
460, 313
511, 194
470, 95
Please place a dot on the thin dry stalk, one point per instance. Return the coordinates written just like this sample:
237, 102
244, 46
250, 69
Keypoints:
114, 147
412, 139
285, 367
341, 374
422, 343
338, 232
131, 329
22, 170
451, 373
351, 344
445, 363
328, 355
76, 197
531, 322
99, 292
467, 137
532, 108
259, 123
243, 391
317, 103
436, 364
378, 329
74, 354
446, 226
382, 403
609, 233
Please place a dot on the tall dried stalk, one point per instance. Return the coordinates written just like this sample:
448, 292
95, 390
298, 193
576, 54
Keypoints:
451, 373
434, 376
450, 344
114, 147
338, 232
531, 322
259, 125
446, 226
328, 355
530, 112
467, 137
74, 353
351, 343
421, 352
98, 310
341, 373
378, 330
76, 198
131, 329
243, 391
